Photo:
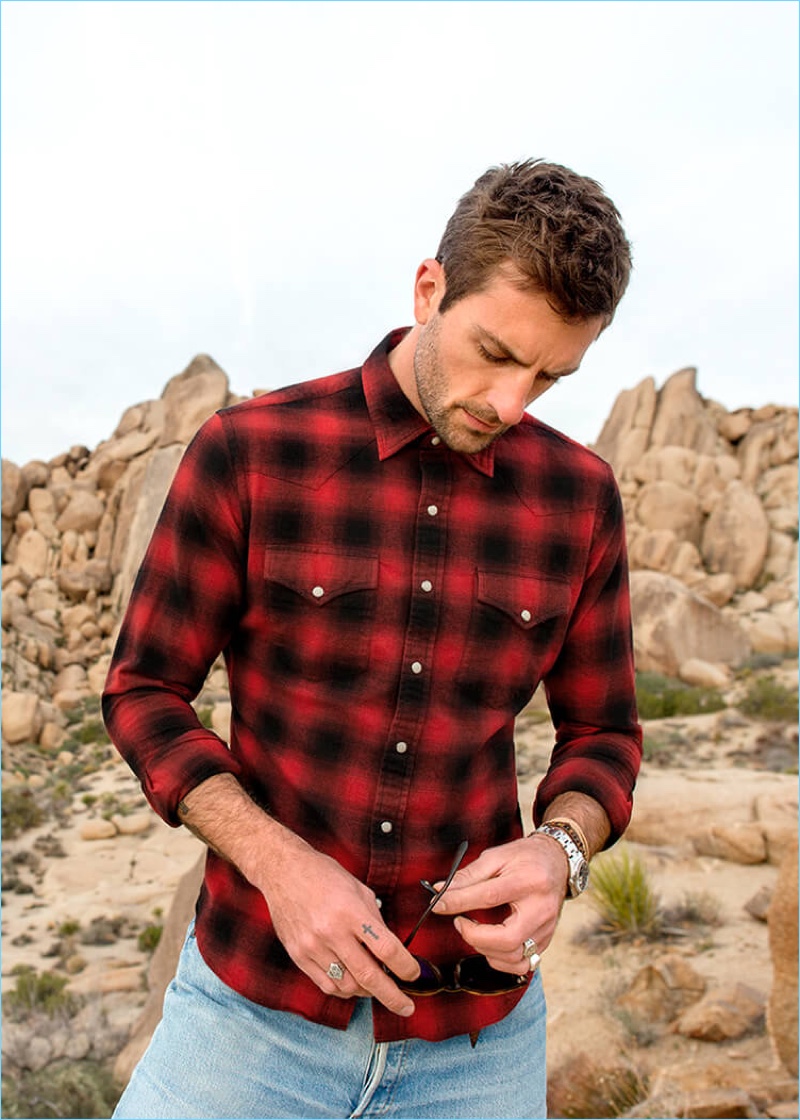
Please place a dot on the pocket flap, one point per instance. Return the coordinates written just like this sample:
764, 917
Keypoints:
528, 600
321, 576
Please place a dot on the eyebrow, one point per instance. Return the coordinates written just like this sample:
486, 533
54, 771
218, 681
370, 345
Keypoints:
507, 352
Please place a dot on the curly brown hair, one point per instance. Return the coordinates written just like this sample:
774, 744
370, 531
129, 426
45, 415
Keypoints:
559, 229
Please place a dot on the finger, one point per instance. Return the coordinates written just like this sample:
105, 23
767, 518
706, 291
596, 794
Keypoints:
346, 988
487, 938
379, 940
371, 979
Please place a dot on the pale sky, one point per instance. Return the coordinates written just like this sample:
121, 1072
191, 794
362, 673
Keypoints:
259, 181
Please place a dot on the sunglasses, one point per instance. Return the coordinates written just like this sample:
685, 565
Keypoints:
473, 974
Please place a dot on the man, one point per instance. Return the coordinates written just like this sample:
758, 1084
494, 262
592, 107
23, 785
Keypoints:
391, 559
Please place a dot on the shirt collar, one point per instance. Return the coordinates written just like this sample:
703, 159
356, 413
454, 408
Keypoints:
395, 420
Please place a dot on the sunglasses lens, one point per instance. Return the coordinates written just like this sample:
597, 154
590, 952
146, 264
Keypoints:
428, 982
476, 975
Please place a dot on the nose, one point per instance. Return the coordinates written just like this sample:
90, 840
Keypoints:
509, 396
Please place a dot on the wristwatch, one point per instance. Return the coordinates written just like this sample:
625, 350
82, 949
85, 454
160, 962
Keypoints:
578, 865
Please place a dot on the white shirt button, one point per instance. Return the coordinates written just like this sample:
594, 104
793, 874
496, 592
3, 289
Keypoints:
436, 441
401, 747
386, 826
318, 592
433, 510
426, 585
416, 667
525, 615
379, 903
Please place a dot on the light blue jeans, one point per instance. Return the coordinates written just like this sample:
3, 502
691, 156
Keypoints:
217, 1054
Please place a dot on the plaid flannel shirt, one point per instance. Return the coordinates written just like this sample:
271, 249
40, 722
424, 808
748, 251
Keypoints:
386, 606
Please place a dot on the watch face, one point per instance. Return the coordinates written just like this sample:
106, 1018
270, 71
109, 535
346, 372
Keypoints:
581, 878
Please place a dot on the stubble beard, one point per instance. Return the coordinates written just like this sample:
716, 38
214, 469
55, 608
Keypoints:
446, 419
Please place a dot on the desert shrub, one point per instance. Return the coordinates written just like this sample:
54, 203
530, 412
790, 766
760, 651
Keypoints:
695, 908
92, 731
149, 938
659, 697
768, 699
68, 1089
621, 892
37, 991
19, 812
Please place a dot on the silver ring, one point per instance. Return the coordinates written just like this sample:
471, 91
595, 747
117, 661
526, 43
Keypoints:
335, 971
530, 948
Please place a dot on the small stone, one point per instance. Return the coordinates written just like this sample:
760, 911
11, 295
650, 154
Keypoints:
97, 830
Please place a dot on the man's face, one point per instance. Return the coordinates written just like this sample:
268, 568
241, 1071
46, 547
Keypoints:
481, 363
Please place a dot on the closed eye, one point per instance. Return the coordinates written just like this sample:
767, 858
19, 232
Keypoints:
488, 356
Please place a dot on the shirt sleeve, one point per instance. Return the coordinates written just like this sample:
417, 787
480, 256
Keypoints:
591, 689
183, 608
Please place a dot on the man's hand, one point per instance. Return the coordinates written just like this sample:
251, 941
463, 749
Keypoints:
321, 913
529, 876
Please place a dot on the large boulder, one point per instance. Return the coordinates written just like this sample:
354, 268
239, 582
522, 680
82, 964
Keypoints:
191, 397
681, 418
671, 625
782, 924
736, 536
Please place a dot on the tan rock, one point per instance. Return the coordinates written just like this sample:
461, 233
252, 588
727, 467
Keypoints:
52, 736
661, 990
22, 717
32, 554
15, 489
765, 633
665, 505
191, 397
681, 419
741, 842
735, 425
134, 825
83, 511
221, 720
98, 829
672, 624
735, 538
78, 583
703, 674
69, 698
726, 1012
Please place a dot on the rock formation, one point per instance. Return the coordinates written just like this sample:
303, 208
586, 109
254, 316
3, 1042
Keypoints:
711, 507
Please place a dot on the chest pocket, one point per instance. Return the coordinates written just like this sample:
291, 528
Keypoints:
320, 612
516, 628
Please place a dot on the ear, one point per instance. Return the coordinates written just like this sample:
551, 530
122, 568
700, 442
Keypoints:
428, 289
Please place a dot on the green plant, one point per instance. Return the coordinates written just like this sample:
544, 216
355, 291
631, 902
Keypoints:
659, 697
68, 928
20, 811
149, 938
92, 731
63, 1089
204, 715
621, 892
37, 991
767, 698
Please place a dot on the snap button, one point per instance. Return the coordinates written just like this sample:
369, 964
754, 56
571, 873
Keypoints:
525, 615
416, 667
401, 747
386, 826
436, 441
433, 510
318, 592
426, 585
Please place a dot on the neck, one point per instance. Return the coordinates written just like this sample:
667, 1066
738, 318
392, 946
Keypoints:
401, 363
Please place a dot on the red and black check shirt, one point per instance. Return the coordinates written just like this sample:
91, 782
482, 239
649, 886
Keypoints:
386, 606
